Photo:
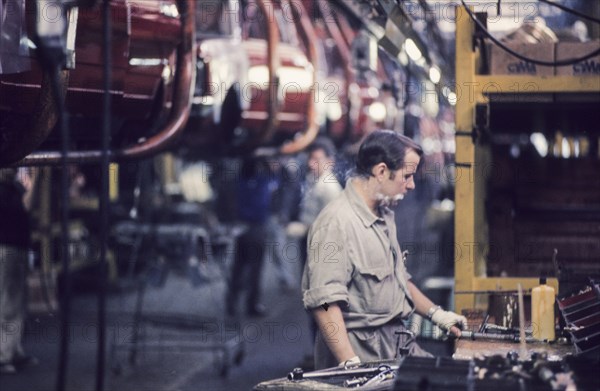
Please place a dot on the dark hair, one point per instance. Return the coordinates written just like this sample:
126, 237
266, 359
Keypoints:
323, 144
384, 146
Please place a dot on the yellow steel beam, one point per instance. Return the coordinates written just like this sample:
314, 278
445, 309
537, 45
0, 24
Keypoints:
465, 254
513, 84
477, 88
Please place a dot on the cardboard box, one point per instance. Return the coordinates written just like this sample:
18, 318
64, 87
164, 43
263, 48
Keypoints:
567, 50
503, 63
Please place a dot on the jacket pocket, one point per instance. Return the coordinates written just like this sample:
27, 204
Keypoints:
377, 290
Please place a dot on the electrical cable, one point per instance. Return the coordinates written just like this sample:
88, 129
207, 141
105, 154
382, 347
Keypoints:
569, 61
571, 11
104, 193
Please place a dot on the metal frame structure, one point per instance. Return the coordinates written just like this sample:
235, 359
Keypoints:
473, 91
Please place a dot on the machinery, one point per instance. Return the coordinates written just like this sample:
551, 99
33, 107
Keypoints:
516, 200
152, 74
581, 314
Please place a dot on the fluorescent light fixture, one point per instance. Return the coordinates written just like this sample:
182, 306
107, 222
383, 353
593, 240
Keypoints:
403, 57
334, 111
373, 92
566, 148
540, 143
145, 62
452, 98
377, 111
434, 74
412, 50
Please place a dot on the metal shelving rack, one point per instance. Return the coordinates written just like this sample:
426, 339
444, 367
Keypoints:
471, 230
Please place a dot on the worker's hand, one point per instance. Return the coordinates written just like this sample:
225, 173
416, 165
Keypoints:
455, 331
296, 229
354, 361
449, 321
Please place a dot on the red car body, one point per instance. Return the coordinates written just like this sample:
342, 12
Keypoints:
236, 104
145, 38
364, 96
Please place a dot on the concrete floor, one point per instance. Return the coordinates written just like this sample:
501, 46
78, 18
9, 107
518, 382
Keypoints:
273, 345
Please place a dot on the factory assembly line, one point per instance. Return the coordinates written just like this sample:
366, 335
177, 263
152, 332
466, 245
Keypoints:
433, 165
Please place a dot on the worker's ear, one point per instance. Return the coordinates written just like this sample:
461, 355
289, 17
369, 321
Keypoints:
379, 171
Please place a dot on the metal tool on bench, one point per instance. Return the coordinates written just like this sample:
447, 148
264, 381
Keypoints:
360, 375
298, 373
493, 332
474, 335
581, 313
388, 374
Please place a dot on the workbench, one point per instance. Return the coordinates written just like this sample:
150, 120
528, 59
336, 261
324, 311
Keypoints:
467, 349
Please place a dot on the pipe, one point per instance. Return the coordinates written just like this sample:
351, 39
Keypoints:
347, 31
308, 136
335, 32
65, 295
184, 89
344, 49
273, 67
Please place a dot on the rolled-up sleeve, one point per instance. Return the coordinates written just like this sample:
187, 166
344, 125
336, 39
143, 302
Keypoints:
327, 271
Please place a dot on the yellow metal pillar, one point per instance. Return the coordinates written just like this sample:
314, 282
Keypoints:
472, 159
464, 262
113, 181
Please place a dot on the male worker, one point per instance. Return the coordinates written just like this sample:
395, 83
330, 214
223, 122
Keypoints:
14, 244
355, 281
321, 187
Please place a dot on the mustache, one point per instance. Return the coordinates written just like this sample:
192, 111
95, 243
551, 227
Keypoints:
388, 200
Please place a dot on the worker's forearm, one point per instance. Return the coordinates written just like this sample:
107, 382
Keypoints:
422, 303
333, 330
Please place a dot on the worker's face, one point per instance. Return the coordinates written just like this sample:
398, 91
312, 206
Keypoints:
318, 162
395, 184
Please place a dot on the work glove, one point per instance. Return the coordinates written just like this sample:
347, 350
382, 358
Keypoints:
354, 361
446, 319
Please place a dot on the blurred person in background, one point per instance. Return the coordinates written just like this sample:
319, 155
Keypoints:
254, 193
14, 246
286, 200
320, 187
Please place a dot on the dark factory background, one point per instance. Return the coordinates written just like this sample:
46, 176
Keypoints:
140, 140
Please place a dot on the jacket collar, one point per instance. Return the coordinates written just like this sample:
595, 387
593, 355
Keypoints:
359, 206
